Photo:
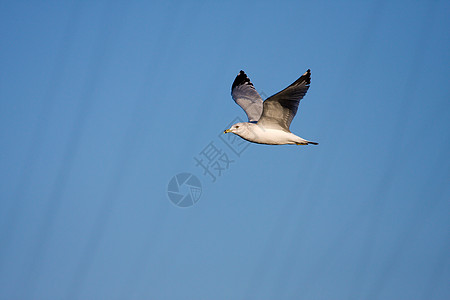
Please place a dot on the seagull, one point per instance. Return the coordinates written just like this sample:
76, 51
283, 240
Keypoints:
269, 121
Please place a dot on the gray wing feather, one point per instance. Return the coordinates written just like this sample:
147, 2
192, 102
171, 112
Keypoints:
280, 109
246, 96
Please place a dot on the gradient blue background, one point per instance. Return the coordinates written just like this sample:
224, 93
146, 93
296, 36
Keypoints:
101, 103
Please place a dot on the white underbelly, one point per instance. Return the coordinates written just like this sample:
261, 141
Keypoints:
271, 136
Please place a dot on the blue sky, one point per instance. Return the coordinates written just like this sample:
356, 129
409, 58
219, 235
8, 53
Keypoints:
102, 103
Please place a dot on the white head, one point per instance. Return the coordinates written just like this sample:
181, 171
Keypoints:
238, 128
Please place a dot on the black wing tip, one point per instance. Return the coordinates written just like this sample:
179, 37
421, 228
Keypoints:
307, 76
241, 78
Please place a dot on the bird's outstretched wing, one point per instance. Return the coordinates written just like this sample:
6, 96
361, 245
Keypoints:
280, 109
246, 96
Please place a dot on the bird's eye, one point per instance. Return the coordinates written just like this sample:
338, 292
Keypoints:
237, 127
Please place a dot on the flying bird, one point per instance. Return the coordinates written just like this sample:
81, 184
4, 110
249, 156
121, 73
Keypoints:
269, 121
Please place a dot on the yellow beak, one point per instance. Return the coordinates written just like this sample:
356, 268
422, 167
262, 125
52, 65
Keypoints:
226, 131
